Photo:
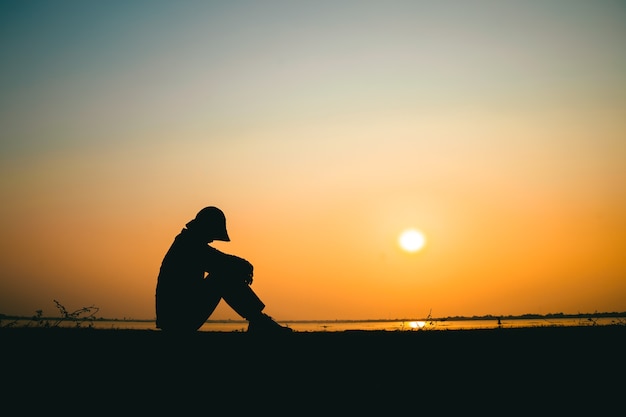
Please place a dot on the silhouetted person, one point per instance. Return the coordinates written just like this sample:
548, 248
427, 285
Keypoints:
194, 277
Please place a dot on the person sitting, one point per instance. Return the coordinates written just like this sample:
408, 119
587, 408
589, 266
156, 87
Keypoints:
195, 276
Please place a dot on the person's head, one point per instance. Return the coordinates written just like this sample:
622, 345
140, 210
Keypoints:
210, 222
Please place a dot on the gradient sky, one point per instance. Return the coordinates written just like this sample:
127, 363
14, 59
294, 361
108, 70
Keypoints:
322, 129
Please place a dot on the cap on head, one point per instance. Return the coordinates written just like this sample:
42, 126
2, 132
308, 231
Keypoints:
211, 221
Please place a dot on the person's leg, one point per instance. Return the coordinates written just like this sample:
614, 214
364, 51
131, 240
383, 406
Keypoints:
241, 298
186, 311
204, 304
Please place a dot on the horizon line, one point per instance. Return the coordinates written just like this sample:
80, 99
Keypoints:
486, 316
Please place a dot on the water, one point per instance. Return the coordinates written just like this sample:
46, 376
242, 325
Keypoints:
341, 325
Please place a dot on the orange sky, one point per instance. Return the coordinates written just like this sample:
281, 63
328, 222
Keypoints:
322, 131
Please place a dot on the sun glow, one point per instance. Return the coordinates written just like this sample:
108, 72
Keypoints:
416, 325
412, 240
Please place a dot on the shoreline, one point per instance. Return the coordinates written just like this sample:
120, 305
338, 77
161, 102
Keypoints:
336, 325
68, 329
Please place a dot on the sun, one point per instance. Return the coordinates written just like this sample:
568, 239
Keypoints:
412, 240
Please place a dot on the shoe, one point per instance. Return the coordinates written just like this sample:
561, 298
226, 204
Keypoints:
266, 325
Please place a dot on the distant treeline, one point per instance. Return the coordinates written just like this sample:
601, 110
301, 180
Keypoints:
485, 317
538, 316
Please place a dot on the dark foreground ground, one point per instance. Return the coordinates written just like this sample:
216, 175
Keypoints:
527, 371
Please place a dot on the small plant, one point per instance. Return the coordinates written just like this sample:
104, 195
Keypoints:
12, 323
589, 321
39, 320
429, 323
82, 316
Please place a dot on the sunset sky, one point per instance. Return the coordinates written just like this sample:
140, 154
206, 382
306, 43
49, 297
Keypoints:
323, 129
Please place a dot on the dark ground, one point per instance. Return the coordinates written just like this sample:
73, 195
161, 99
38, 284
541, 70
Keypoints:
522, 371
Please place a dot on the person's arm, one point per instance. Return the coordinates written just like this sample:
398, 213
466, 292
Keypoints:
229, 265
